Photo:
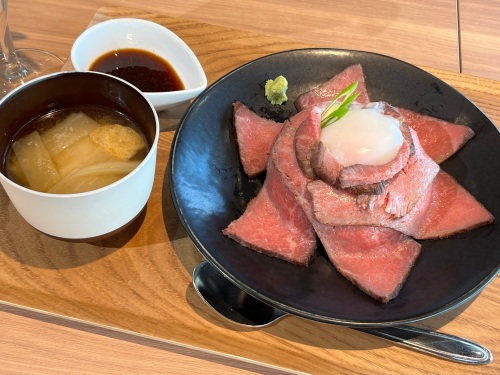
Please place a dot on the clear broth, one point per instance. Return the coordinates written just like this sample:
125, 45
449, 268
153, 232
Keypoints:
101, 115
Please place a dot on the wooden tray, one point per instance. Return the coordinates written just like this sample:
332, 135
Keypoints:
139, 281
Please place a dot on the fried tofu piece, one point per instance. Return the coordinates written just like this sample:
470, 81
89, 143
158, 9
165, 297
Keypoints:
119, 141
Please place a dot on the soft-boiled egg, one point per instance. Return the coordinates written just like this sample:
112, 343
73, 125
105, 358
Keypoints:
364, 135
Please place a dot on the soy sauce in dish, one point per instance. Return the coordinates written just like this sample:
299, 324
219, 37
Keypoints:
143, 69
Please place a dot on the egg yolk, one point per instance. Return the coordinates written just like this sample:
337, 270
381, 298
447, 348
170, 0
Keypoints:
363, 136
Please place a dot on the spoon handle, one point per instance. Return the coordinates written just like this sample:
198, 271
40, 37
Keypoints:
225, 298
436, 343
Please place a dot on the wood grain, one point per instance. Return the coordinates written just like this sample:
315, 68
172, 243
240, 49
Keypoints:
140, 279
404, 29
111, 351
480, 37
420, 32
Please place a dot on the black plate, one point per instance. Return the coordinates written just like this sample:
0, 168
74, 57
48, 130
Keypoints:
209, 190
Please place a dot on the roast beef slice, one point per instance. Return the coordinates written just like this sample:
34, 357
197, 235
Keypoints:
328, 90
255, 136
439, 138
274, 224
445, 209
377, 260
404, 191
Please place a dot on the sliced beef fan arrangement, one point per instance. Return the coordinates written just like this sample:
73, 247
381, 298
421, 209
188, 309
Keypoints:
368, 218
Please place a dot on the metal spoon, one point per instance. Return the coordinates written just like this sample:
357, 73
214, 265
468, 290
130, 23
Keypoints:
239, 307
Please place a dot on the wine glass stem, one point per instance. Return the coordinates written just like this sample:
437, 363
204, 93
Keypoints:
14, 70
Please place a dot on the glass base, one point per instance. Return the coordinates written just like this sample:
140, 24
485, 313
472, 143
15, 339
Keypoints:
35, 63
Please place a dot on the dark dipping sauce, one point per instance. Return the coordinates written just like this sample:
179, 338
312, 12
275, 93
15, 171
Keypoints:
143, 69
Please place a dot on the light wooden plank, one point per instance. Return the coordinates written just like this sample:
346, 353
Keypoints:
480, 37
34, 342
422, 32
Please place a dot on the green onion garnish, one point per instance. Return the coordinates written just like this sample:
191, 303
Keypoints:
339, 106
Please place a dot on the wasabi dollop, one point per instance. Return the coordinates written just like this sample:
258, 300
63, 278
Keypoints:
275, 90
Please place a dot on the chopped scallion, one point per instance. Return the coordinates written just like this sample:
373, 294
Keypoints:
339, 106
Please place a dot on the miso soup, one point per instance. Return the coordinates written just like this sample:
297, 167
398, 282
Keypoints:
75, 150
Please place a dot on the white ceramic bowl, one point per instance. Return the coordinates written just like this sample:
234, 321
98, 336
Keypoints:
146, 35
95, 213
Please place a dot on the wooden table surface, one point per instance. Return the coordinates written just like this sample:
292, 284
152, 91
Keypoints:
130, 299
